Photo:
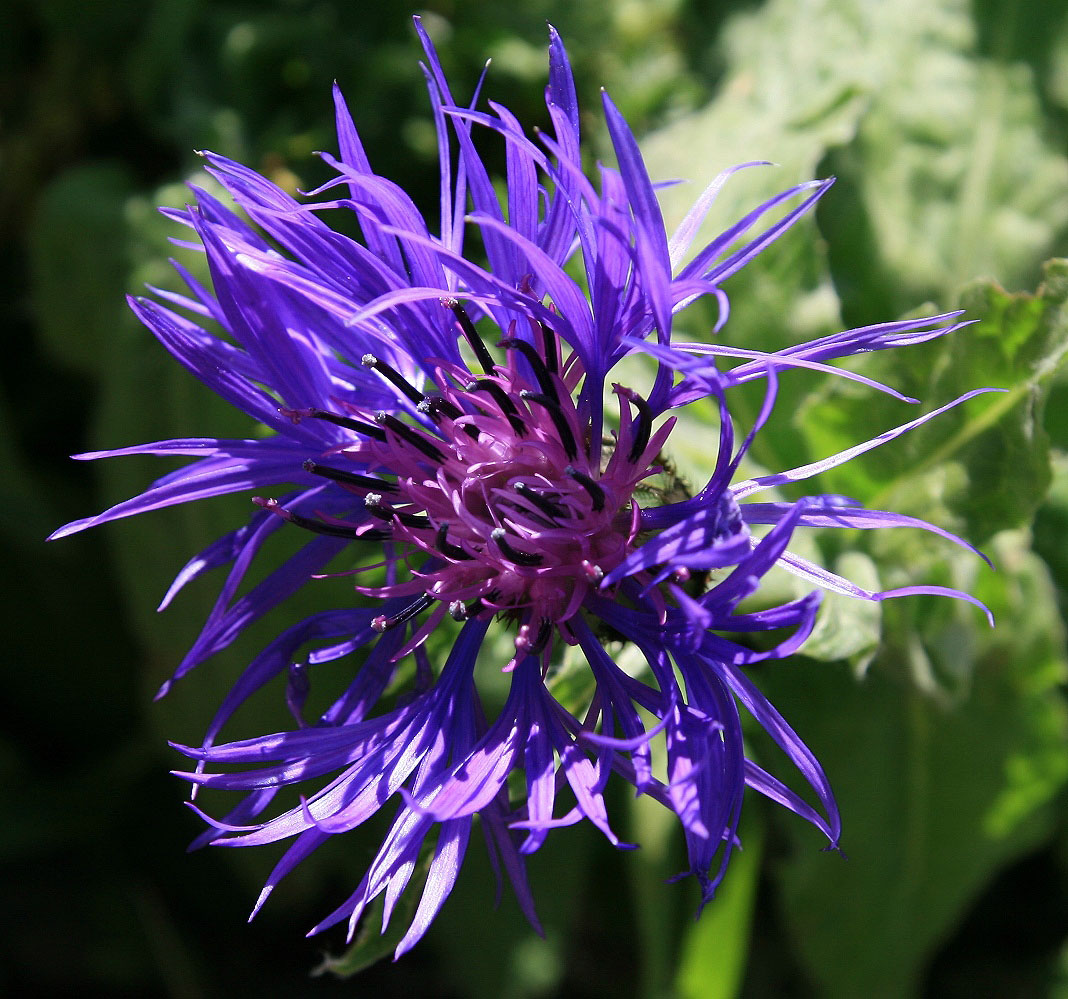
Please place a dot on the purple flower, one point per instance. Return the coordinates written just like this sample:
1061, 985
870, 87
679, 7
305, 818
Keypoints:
446, 422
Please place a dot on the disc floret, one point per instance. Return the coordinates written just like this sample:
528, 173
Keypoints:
495, 476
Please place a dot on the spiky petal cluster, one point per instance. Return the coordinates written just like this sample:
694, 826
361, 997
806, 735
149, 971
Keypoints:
440, 424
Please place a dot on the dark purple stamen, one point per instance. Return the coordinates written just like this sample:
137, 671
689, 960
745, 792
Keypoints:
447, 548
367, 429
556, 413
597, 494
416, 521
541, 373
643, 427
513, 554
434, 405
549, 349
394, 377
417, 606
321, 526
503, 400
460, 611
542, 502
471, 334
349, 478
530, 514
410, 435
375, 507
545, 630
525, 644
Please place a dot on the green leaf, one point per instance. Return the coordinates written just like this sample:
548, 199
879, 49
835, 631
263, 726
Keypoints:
713, 957
936, 795
1059, 986
944, 171
1057, 82
979, 468
785, 100
943, 156
78, 261
1051, 527
847, 628
949, 176
372, 943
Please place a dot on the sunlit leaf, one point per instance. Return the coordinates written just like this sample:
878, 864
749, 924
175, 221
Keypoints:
984, 466
936, 794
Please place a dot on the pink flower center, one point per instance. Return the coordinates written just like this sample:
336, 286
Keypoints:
495, 480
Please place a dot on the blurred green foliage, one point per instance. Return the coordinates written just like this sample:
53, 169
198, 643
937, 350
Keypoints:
947, 743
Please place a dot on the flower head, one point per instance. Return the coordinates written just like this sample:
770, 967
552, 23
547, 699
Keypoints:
446, 421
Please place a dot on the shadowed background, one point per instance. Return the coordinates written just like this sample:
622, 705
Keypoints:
945, 123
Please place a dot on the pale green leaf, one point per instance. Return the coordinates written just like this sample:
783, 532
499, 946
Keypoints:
936, 794
847, 628
979, 468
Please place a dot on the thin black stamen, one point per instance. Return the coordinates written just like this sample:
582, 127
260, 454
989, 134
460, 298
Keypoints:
644, 427
367, 429
545, 630
375, 507
433, 405
541, 373
321, 526
515, 421
447, 548
349, 478
513, 554
543, 503
526, 646
476, 342
410, 435
529, 514
549, 349
563, 429
394, 377
418, 521
417, 606
597, 494
460, 612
